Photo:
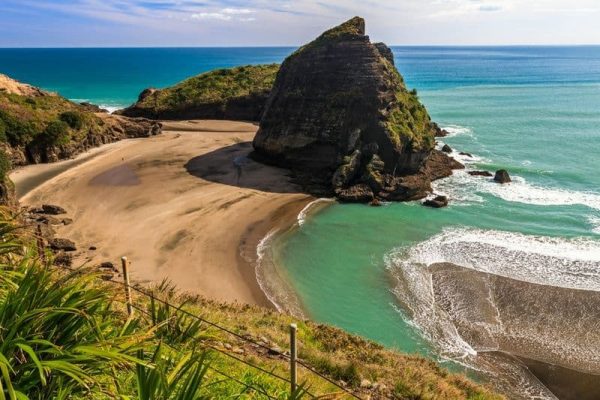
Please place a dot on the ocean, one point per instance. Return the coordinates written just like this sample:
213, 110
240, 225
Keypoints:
534, 111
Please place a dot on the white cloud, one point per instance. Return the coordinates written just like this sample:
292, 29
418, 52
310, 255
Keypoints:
212, 15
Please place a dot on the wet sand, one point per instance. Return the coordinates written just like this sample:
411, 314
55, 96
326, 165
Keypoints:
187, 206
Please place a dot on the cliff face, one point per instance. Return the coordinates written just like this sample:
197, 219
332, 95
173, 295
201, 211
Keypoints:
237, 93
39, 127
341, 118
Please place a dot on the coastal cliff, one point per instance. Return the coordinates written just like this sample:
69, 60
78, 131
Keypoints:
341, 117
236, 94
37, 126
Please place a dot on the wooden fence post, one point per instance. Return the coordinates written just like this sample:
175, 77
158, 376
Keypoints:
293, 357
127, 287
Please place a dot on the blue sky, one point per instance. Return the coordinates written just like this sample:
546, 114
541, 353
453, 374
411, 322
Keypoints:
107, 23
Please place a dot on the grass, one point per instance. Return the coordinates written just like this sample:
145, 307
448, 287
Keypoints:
65, 334
214, 87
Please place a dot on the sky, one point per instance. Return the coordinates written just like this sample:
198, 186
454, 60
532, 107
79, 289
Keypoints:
157, 23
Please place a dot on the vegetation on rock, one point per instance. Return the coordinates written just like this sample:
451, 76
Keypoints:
236, 93
340, 116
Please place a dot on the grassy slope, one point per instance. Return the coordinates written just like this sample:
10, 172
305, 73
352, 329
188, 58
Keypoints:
217, 86
67, 333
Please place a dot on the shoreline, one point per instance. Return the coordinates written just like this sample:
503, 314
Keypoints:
209, 221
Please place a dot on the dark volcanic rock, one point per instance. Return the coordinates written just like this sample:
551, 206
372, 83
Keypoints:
339, 110
447, 149
360, 193
51, 209
462, 153
62, 244
480, 173
439, 132
437, 202
502, 176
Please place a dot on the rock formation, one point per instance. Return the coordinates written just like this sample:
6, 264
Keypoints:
341, 118
237, 93
502, 176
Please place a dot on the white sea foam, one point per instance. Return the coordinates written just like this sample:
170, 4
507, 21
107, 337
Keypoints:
568, 263
110, 109
455, 130
302, 215
463, 187
595, 222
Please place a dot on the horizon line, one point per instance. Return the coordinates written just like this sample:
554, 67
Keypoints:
286, 46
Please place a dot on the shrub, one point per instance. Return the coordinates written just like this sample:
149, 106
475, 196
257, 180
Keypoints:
56, 133
2, 131
73, 118
16, 130
5, 165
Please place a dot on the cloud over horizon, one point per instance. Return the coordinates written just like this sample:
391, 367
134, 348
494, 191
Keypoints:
52, 23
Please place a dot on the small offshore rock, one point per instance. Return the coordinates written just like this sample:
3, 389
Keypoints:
447, 149
480, 173
375, 203
462, 153
502, 176
62, 244
52, 209
437, 202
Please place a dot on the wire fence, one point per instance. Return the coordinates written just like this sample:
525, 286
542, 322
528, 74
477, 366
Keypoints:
293, 361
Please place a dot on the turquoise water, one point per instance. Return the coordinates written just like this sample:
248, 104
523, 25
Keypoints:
534, 111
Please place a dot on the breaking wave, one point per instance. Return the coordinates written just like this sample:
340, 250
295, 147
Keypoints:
455, 130
481, 297
463, 187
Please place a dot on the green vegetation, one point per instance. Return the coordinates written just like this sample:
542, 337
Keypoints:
217, 86
50, 120
65, 334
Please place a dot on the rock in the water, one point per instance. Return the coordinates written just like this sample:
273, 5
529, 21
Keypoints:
339, 111
49, 209
360, 193
447, 149
502, 176
58, 244
436, 202
462, 153
375, 203
439, 132
480, 173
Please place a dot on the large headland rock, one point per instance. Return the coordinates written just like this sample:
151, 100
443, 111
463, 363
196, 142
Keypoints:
238, 93
340, 116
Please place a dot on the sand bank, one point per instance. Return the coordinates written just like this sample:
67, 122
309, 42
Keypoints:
187, 205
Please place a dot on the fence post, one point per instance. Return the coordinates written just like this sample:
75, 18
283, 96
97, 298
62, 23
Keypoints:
40, 244
127, 287
293, 357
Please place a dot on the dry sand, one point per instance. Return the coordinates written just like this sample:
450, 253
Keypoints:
174, 205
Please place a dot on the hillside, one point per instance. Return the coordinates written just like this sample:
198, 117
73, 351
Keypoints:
72, 338
237, 94
39, 127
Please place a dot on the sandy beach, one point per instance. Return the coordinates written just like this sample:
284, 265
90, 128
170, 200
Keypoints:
187, 205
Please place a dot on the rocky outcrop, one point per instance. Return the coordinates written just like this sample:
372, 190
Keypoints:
237, 94
342, 119
436, 202
39, 127
480, 173
502, 176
